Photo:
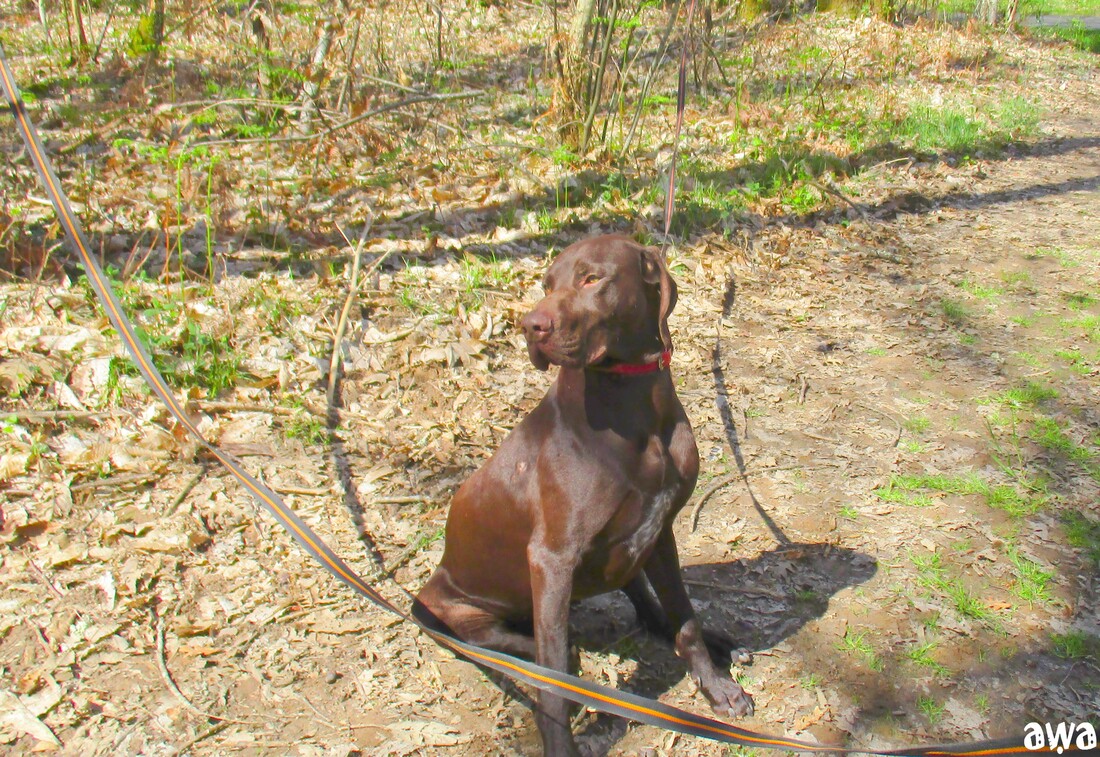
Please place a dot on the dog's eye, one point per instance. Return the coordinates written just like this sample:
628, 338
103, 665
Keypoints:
590, 279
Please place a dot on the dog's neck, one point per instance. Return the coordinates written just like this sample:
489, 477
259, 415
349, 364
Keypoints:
659, 363
636, 400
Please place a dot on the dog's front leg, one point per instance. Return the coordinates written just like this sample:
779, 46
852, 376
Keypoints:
663, 571
551, 588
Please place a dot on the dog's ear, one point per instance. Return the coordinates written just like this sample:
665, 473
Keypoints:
655, 272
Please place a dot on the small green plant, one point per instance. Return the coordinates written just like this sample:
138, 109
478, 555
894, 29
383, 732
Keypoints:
1083, 532
1078, 35
932, 574
903, 497
1075, 645
478, 275
307, 427
1049, 434
1030, 395
425, 540
981, 291
1032, 582
917, 424
1079, 300
953, 311
857, 644
913, 447
921, 654
931, 709
930, 129
810, 682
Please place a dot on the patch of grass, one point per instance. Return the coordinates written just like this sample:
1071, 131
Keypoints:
1089, 324
425, 540
969, 483
1063, 256
932, 574
953, 311
409, 297
849, 512
1032, 582
921, 654
1051, 435
858, 645
965, 603
1075, 359
913, 447
186, 355
929, 129
1015, 279
1075, 645
810, 682
1014, 118
307, 427
1031, 394
1079, 300
903, 497
1076, 34
931, 709
1083, 532
478, 275
917, 424
981, 291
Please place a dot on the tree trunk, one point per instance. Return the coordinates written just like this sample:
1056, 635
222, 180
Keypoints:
574, 67
78, 24
986, 10
158, 29
312, 86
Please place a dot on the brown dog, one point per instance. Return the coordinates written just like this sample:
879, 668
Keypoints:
580, 498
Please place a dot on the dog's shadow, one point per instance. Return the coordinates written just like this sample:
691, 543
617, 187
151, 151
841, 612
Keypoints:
758, 602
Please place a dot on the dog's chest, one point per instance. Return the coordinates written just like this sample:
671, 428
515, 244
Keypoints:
654, 514
644, 510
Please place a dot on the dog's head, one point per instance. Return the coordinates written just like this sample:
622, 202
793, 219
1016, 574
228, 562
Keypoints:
607, 301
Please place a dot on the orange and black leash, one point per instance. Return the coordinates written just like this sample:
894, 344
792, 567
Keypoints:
571, 687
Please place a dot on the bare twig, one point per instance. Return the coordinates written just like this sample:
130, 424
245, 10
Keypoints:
162, 663
217, 406
186, 490
185, 748
837, 193
345, 124
104, 483
52, 416
342, 323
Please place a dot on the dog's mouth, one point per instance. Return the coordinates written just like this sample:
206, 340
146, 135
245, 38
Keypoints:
546, 353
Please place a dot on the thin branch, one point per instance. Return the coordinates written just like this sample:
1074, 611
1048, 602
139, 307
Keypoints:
345, 124
341, 325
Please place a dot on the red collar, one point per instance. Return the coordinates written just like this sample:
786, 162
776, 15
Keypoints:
639, 369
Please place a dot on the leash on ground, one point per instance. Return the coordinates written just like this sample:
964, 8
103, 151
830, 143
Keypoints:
595, 696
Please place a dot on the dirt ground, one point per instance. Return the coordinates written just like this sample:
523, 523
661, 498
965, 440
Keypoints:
897, 403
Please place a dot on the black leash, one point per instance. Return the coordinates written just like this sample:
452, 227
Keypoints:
595, 696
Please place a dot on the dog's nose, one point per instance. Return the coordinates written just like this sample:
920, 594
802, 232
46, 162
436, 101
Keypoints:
538, 325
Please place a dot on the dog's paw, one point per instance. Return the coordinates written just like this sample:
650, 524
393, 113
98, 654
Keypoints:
728, 699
